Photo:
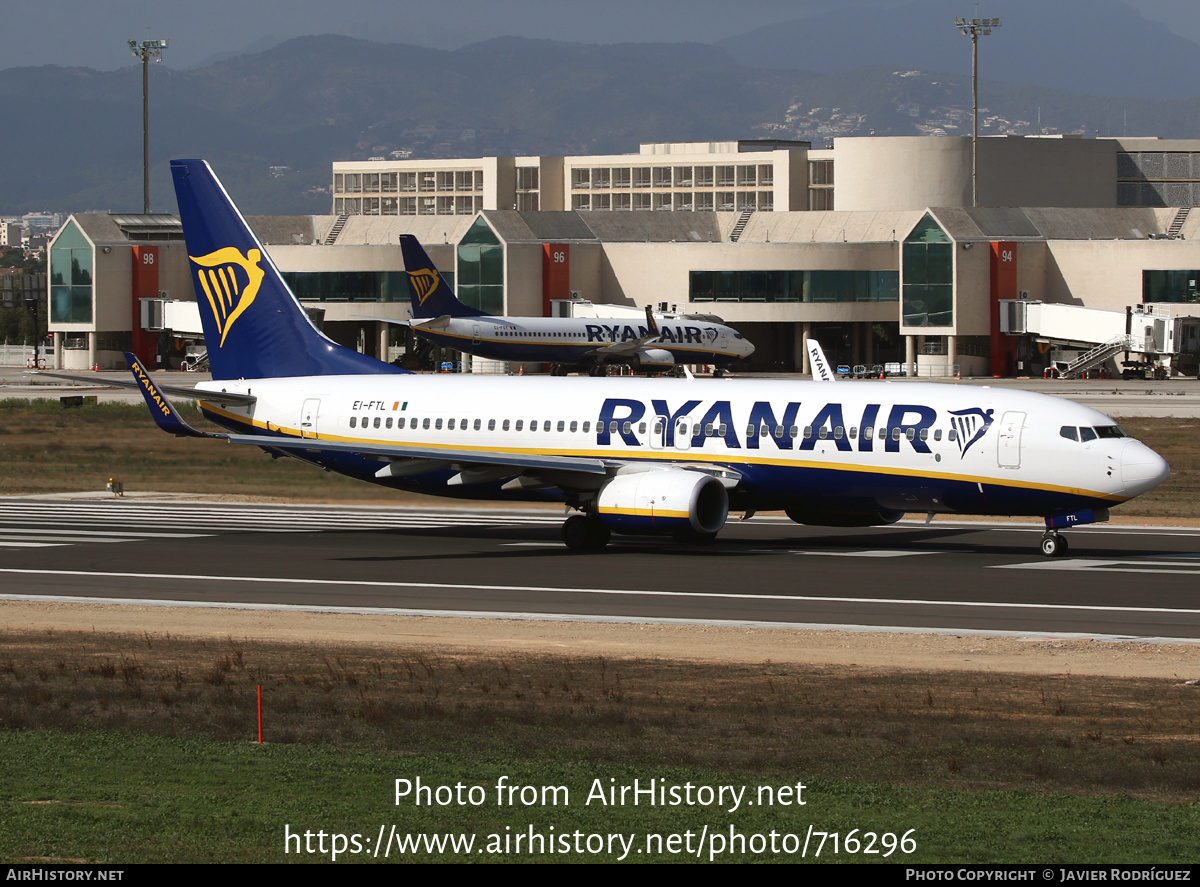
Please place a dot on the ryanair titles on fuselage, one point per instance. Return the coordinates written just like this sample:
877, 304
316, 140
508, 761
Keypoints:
903, 424
675, 335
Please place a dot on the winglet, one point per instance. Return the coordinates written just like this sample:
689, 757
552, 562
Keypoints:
652, 324
821, 371
161, 410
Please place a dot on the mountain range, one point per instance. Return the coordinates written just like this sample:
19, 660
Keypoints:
272, 121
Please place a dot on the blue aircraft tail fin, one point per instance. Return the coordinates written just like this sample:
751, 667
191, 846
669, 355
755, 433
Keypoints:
430, 295
254, 328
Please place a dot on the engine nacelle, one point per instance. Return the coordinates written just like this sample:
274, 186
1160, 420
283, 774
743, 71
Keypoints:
665, 501
843, 518
655, 357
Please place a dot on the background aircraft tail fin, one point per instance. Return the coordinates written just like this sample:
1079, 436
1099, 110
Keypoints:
821, 370
430, 295
254, 328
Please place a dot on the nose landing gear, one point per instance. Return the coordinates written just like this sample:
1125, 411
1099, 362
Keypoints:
1053, 544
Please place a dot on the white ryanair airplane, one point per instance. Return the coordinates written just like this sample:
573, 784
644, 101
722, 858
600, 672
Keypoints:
630, 455
565, 343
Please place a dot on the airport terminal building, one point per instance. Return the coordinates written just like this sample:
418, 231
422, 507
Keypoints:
870, 246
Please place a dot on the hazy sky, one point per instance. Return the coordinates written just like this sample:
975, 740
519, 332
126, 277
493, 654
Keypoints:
94, 33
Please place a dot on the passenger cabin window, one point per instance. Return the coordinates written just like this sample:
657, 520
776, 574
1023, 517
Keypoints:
400, 423
477, 424
388, 423
377, 422
586, 426
520, 424
449, 425
937, 434
562, 425
437, 425
952, 435
354, 421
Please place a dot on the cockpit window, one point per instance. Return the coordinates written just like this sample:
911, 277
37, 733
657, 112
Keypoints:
1070, 432
1086, 434
1105, 431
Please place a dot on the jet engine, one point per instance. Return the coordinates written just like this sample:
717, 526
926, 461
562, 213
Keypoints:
654, 357
663, 501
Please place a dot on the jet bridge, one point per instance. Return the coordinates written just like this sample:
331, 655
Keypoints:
1080, 339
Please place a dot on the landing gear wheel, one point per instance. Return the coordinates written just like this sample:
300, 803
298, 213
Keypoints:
718, 374
597, 371
558, 369
584, 534
1054, 545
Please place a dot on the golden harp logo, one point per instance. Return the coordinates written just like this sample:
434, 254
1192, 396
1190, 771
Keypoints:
230, 282
424, 282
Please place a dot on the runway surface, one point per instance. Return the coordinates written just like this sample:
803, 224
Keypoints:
951, 577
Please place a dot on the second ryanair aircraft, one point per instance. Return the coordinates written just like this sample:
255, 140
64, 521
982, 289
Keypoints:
630, 455
564, 342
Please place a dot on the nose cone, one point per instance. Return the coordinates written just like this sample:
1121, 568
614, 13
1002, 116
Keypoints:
1142, 469
747, 348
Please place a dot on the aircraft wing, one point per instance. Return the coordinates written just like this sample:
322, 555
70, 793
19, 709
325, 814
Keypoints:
633, 346
173, 390
451, 455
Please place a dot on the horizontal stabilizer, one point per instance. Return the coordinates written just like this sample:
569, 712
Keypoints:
226, 397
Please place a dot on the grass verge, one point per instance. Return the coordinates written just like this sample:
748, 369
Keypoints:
123, 748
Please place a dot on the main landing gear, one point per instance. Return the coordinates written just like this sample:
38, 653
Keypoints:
1053, 544
582, 533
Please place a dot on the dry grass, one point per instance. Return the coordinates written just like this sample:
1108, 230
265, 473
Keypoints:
1087, 735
